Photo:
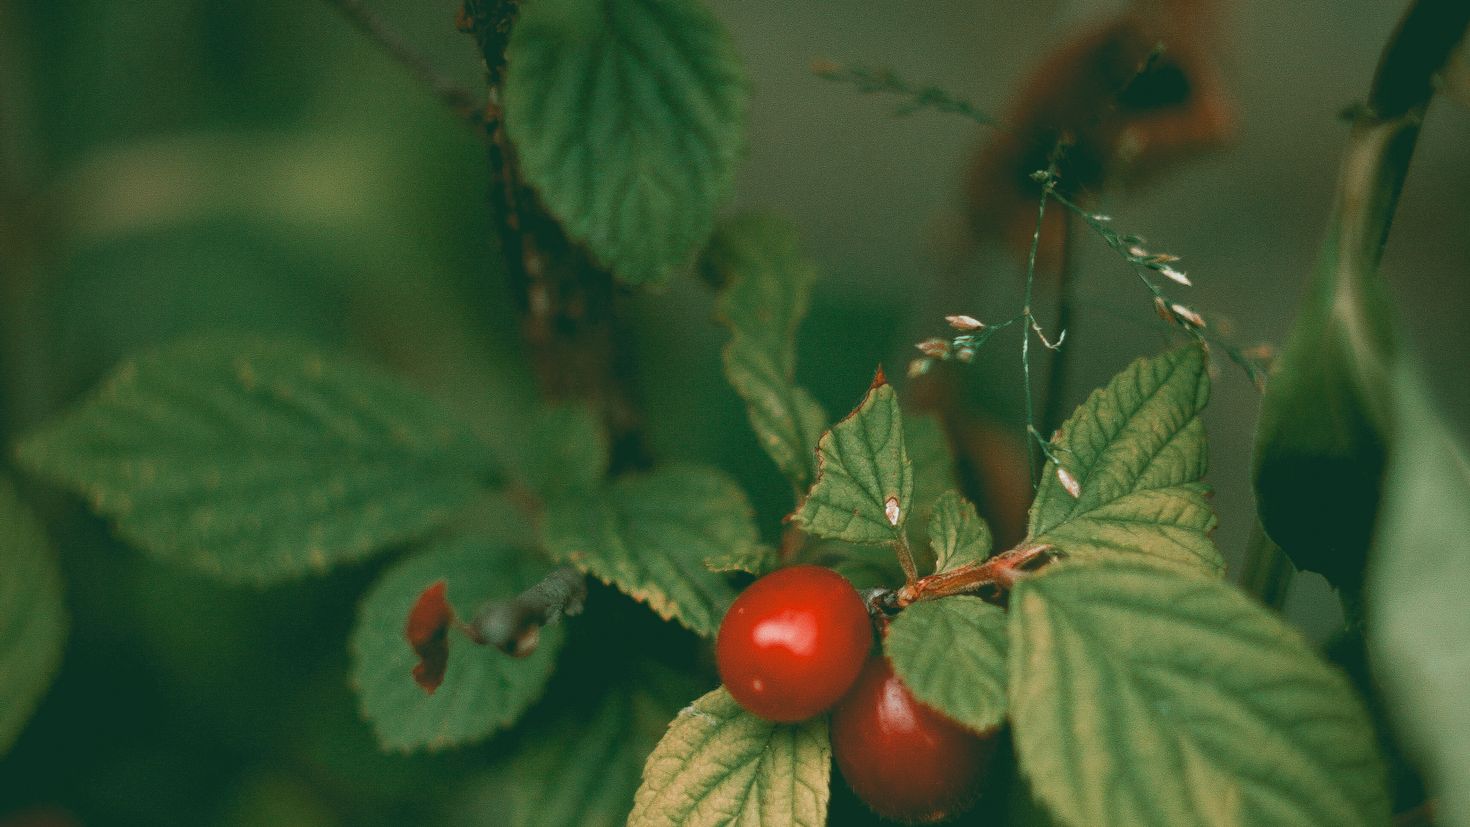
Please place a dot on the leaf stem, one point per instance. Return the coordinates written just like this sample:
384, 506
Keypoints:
1056, 380
1046, 190
906, 558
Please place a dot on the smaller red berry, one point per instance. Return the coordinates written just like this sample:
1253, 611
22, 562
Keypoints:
793, 642
904, 760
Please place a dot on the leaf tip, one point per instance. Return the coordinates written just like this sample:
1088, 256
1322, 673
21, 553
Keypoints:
879, 379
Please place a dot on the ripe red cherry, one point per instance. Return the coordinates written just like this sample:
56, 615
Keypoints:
904, 760
793, 642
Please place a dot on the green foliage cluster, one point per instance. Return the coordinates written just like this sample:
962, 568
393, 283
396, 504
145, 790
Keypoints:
1138, 686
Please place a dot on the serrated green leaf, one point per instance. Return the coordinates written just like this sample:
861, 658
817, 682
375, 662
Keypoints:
721, 765
1320, 442
566, 449
957, 533
865, 481
580, 771
32, 615
484, 689
951, 654
1137, 449
1417, 581
934, 473
258, 460
628, 119
1142, 695
767, 287
757, 559
650, 536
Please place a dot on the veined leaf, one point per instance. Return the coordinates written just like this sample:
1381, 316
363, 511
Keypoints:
650, 536
628, 119
957, 533
755, 559
865, 482
767, 286
259, 460
484, 689
933, 463
1417, 584
32, 616
1137, 449
1142, 695
951, 654
721, 765
580, 771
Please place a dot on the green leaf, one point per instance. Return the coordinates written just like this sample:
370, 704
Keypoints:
484, 689
957, 533
756, 559
566, 449
32, 615
767, 287
951, 654
1320, 442
580, 771
721, 765
934, 473
1416, 590
1137, 449
1143, 695
865, 482
628, 119
650, 536
259, 460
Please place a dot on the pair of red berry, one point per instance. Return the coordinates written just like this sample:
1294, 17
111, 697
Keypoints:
796, 643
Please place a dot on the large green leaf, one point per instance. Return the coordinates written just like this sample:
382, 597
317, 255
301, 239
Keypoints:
628, 118
484, 689
1142, 695
721, 765
1137, 450
865, 481
650, 535
1420, 574
258, 460
32, 616
1320, 443
957, 533
767, 286
951, 654
565, 449
579, 771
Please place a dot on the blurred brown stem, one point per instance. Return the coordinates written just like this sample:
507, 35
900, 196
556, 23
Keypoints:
579, 347
460, 101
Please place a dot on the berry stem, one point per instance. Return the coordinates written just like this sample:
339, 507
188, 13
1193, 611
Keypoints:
1000, 573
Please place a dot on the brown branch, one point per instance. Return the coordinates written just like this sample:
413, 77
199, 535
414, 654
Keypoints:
463, 103
579, 348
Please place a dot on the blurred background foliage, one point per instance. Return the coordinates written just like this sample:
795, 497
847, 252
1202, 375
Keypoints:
169, 166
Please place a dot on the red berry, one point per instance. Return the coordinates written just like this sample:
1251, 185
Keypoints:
903, 759
793, 642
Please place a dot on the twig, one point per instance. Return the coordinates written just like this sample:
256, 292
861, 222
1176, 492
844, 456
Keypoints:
463, 103
514, 626
578, 346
